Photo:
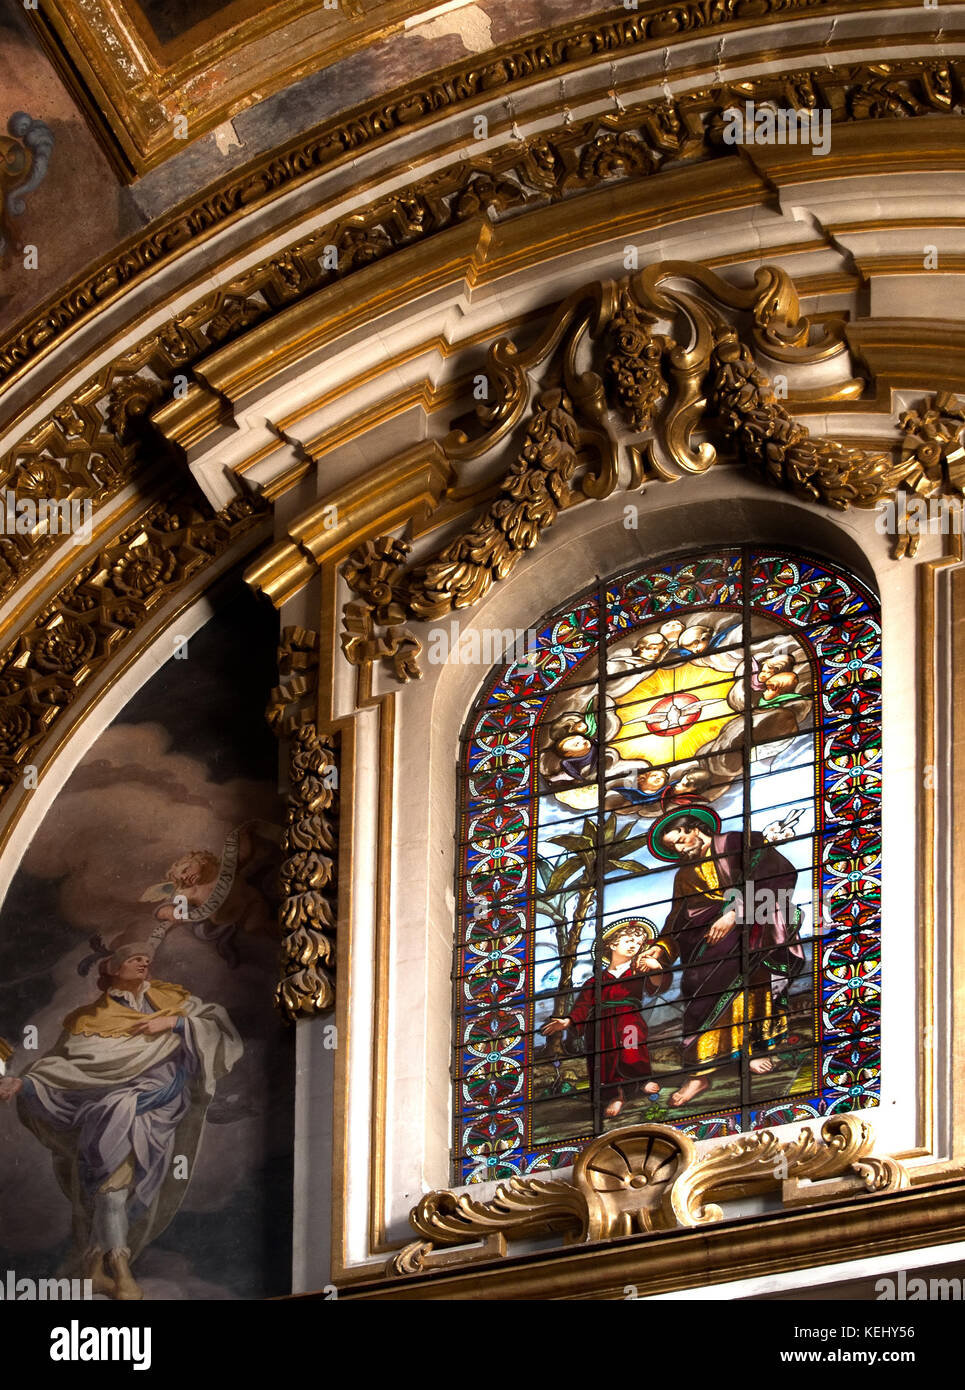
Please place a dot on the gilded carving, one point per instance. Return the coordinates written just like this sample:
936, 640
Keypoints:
363, 645
646, 1178
578, 155
656, 386
307, 874
634, 369
533, 492
776, 446
307, 985
98, 612
138, 127
290, 703
933, 449
93, 445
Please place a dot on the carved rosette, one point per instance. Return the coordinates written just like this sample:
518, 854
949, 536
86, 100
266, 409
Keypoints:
646, 1178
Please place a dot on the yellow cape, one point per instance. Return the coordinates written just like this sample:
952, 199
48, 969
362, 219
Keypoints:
109, 1018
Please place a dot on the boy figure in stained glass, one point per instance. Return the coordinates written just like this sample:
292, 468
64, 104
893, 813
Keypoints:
703, 930
632, 968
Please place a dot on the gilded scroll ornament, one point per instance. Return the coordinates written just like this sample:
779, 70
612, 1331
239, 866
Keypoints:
89, 446
307, 986
646, 1178
536, 488
699, 378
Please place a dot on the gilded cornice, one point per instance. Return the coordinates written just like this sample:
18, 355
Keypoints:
100, 440
644, 1179
406, 489
681, 128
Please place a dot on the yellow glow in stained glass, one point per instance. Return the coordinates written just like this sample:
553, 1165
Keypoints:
671, 714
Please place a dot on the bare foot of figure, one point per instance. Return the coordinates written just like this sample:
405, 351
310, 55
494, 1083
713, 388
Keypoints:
613, 1109
759, 1065
694, 1086
651, 1088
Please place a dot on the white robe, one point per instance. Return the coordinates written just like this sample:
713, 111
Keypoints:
82, 1104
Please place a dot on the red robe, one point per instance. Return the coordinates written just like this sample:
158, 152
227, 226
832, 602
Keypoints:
623, 1055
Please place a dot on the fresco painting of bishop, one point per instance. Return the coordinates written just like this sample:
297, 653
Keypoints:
122, 1092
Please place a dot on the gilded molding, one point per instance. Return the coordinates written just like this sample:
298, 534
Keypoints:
637, 141
307, 985
647, 1178
52, 661
307, 875
110, 431
129, 92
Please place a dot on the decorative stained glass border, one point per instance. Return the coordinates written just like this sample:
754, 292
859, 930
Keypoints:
836, 618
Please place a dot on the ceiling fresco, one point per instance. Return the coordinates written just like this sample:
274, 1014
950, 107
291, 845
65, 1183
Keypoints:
60, 194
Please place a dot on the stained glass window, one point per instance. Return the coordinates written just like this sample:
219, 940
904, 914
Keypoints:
668, 863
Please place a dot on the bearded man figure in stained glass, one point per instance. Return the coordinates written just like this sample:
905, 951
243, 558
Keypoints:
713, 903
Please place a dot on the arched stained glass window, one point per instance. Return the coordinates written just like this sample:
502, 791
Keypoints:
668, 863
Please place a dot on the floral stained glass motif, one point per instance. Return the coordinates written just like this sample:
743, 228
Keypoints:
669, 861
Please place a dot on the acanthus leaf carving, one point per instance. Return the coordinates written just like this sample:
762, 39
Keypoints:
646, 1178
570, 450
307, 875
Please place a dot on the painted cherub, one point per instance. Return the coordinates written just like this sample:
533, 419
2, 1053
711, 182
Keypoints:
217, 896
